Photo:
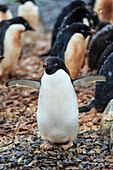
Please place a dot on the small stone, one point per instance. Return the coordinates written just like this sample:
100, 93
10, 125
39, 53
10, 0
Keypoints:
104, 148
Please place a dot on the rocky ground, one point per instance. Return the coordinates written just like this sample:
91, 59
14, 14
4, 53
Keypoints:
19, 139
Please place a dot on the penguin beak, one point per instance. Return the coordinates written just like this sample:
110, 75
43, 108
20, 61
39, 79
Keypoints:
45, 65
93, 31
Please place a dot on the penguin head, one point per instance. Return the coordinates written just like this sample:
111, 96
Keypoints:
84, 29
24, 1
53, 64
3, 8
21, 20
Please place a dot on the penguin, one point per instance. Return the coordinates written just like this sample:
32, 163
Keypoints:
10, 42
70, 45
63, 14
5, 13
30, 11
98, 44
81, 14
57, 113
104, 9
103, 90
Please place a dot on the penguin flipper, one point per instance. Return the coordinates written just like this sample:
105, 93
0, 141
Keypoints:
89, 79
24, 82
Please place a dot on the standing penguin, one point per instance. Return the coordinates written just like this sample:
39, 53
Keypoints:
70, 45
30, 11
57, 113
63, 14
5, 13
10, 42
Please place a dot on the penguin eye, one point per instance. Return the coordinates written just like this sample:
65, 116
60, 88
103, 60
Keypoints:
55, 64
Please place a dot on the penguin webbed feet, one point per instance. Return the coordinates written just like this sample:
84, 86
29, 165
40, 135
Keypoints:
46, 145
67, 146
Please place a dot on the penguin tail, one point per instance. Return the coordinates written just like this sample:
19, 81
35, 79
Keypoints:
86, 108
45, 54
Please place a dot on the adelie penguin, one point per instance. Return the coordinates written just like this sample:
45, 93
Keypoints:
81, 14
57, 113
103, 90
5, 13
10, 43
63, 14
70, 45
29, 10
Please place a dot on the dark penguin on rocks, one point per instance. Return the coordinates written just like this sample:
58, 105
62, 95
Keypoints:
5, 13
70, 45
57, 113
103, 90
10, 42
98, 44
63, 14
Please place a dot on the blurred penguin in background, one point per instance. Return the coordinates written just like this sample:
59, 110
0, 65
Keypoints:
10, 43
104, 8
59, 20
30, 11
70, 45
5, 13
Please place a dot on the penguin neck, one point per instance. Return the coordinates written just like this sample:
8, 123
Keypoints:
60, 76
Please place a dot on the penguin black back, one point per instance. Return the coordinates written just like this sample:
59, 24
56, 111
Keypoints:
103, 90
105, 54
65, 34
98, 43
3, 8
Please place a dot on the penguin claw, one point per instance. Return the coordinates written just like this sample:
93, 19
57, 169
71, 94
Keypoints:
68, 145
46, 146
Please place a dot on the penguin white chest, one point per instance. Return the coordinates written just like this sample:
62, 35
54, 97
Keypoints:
57, 113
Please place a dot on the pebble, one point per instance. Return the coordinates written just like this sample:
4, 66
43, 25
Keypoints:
85, 154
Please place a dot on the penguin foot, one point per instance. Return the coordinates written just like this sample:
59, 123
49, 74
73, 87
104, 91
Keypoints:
46, 146
68, 145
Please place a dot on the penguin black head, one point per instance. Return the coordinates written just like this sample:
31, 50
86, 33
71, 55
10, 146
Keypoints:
3, 8
53, 64
79, 27
84, 30
21, 20
24, 1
